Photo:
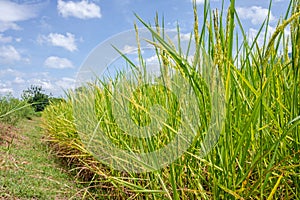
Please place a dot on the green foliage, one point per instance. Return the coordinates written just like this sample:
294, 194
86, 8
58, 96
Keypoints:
36, 96
13, 110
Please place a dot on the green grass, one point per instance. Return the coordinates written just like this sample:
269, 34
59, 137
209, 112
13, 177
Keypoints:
257, 154
27, 168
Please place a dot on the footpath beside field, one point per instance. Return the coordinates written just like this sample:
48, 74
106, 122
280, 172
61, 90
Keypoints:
27, 169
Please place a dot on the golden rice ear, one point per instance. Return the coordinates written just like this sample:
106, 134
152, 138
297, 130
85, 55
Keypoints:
196, 22
218, 56
279, 29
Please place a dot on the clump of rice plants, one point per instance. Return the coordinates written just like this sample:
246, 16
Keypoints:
12, 110
258, 151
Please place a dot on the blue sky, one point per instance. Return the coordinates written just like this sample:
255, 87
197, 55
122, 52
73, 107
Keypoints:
44, 42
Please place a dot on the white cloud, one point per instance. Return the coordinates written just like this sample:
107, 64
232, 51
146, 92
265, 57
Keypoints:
81, 10
5, 88
9, 72
66, 83
54, 86
4, 26
198, 2
4, 39
45, 83
18, 80
13, 81
66, 41
152, 60
58, 63
18, 39
8, 54
252, 33
129, 49
256, 14
12, 12
185, 36
4, 91
153, 66
44, 24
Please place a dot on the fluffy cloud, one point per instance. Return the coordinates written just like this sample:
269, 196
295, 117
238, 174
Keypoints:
58, 63
9, 72
45, 83
256, 14
152, 60
66, 83
8, 54
4, 26
66, 41
81, 10
12, 12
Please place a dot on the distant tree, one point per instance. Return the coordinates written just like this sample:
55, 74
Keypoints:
35, 95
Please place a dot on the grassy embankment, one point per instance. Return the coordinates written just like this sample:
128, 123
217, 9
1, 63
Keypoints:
28, 169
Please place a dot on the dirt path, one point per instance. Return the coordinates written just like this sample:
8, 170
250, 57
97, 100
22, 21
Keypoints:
27, 169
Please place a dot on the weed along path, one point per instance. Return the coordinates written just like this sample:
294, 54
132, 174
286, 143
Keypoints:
27, 169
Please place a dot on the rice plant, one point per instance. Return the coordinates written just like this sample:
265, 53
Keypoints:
258, 150
12, 110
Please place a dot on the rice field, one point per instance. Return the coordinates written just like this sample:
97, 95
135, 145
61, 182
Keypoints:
254, 155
